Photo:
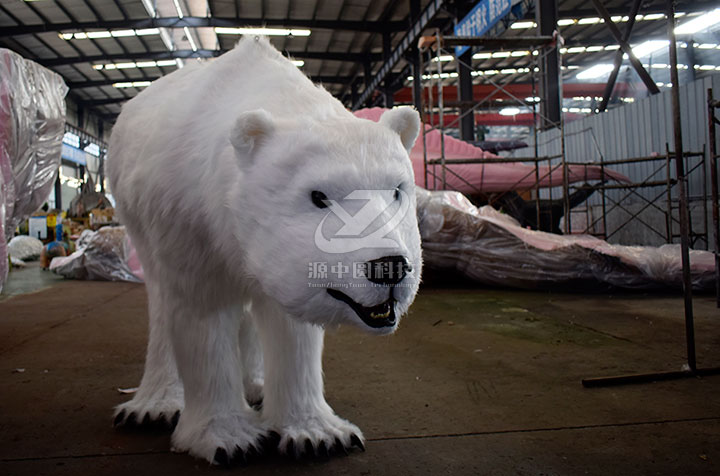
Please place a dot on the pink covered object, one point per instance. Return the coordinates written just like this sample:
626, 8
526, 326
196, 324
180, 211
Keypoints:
485, 178
489, 247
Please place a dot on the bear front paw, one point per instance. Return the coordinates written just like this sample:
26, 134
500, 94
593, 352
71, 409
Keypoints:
159, 410
227, 439
319, 435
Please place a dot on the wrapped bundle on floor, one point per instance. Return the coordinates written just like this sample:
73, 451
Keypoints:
489, 247
32, 124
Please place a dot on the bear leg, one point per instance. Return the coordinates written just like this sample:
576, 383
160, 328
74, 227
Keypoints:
158, 400
294, 406
217, 424
252, 361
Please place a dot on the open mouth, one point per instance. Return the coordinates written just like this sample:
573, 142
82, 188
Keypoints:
381, 315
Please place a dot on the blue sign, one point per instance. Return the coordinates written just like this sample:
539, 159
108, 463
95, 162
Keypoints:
73, 154
480, 19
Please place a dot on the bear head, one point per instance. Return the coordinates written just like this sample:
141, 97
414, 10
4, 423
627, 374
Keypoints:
327, 217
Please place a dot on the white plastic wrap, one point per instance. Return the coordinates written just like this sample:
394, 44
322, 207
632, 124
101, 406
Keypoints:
492, 248
25, 248
32, 124
3, 239
105, 257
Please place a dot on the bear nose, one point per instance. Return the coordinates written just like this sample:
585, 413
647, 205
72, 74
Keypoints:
388, 270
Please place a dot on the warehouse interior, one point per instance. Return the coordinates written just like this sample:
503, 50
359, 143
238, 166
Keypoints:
566, 198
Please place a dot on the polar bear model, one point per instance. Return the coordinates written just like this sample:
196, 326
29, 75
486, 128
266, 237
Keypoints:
262, 212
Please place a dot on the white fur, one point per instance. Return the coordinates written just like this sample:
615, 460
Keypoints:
212, 168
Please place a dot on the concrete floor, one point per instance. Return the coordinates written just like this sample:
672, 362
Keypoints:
476, 381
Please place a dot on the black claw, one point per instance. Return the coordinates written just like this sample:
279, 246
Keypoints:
239, 456
254, 452
322, 450
131, 420
309, 450
147, 422
174, 421
290, 448
273, 439
119, 418
355, 440
340, 447
268, 443
221, 457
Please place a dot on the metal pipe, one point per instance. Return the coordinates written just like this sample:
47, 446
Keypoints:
417, 79
441, 106
668, 205
682, 192
714, 190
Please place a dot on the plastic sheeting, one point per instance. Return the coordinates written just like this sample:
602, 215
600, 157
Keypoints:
491, 248
486, 178
105, 256
32, 124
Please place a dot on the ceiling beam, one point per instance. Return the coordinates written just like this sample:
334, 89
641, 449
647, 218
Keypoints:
518, 90
617, 61
634, 61
106, 82
104, 102
405, 43
647, 9
110, 82
188, 54
196, 22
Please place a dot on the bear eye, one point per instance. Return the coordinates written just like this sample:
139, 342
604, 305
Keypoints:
319, 199
397, 193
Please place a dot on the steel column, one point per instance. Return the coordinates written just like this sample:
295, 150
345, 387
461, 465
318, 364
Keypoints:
465, 93
101, 162
417, 79
690, 53
58, 191
387, 83
546, 17
712, 121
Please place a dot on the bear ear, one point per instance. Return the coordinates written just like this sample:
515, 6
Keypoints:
251, 129
405, 121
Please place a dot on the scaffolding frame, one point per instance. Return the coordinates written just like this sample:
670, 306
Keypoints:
695, 163
678, 157
433, 111
431, 48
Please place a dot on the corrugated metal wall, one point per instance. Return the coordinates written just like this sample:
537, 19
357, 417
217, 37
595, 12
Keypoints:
638, 129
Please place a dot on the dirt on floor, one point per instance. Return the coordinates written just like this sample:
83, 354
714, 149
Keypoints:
475, 381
